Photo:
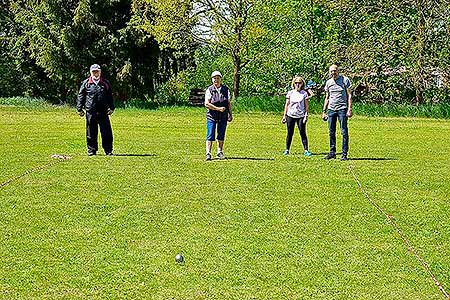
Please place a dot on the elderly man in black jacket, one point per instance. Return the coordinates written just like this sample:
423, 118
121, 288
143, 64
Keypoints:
95, 96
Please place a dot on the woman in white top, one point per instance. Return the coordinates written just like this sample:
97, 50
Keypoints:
296, 112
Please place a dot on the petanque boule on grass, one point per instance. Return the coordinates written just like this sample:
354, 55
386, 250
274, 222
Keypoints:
179, 258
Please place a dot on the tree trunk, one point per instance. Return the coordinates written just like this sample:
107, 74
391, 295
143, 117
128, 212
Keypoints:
237, 61
419, 92
236, 76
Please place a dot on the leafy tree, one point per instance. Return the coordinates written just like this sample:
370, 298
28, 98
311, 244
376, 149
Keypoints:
144, 46
56, 41
397, 43
9, 76
234, 26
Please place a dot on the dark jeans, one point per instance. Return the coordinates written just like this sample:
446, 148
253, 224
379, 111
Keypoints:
290, 124
333, 116
93, 121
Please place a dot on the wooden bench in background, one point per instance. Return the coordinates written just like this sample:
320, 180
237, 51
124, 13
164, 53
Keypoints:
197, 97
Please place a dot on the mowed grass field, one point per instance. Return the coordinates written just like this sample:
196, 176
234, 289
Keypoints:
255, 226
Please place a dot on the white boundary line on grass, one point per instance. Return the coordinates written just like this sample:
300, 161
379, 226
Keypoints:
390, 220
59, 158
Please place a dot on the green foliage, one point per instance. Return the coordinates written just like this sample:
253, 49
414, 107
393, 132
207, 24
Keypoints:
272, 104
8, 74
440, 110
53, 43
207, 61
259, 104
24, 101
169, 21
437, 110
175, 91
384, 37
368, 39
397, 51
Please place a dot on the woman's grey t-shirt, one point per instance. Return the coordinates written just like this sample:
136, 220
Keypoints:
337, 90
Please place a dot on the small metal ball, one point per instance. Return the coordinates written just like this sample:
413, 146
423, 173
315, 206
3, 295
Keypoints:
179, 258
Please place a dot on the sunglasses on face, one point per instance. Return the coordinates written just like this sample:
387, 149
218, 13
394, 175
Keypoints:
297, 83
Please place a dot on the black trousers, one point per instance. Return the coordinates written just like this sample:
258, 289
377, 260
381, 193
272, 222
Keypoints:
290, 124
93, 122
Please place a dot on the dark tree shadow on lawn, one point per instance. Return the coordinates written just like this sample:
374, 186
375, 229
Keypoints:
135, 154
323, 153
244, 158
371, 158
355, 158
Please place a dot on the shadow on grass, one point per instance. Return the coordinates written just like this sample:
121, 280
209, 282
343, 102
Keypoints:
357, 158
244, 158
324, 153
134, 154
371, 158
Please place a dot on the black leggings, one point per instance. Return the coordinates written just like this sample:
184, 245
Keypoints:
290, 123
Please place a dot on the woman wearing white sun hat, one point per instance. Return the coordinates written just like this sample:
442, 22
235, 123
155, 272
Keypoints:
218, 103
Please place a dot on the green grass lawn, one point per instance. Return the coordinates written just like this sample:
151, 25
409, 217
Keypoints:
255, 226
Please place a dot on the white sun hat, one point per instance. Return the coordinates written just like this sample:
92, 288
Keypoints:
216, 73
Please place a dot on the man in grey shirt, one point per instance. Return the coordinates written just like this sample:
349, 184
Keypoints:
337, 106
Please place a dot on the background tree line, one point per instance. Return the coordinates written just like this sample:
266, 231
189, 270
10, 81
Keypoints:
155, 51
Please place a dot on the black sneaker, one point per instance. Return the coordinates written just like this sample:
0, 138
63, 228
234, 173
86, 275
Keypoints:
220, 155
330, 156
344, 157
208, 156
109, 154
91, 153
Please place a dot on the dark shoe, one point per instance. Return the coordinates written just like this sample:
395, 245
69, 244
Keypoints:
344, 157
330, 156
109, 154
208, 156
91, 153
220, 155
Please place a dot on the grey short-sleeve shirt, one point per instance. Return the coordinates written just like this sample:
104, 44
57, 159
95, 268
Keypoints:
337, 91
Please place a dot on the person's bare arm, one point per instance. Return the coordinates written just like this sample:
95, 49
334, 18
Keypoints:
305, 118
286, 107
350, 101
325, 106
211, 106
230, 112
